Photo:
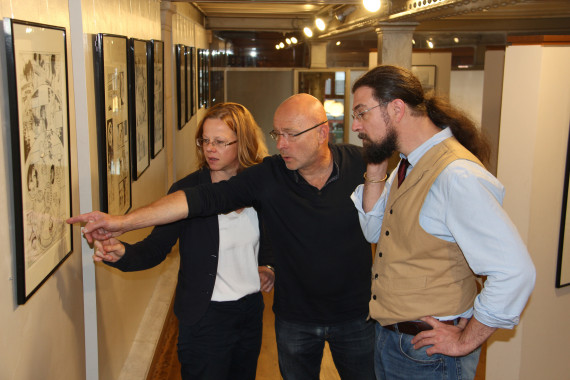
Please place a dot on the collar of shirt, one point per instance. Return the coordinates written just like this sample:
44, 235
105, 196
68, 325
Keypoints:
418, 153
333, 177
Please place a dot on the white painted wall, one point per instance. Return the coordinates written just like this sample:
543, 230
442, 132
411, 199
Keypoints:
535, 119
466, 92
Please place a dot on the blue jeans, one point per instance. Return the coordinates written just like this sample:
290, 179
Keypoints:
300, 349
225, 343
395, 358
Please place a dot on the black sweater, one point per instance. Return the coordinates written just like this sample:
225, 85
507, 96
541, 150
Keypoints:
199, 246
323, 261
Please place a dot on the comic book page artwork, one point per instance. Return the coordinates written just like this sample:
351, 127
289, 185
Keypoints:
45, 183
117, 138
158, 98
141, 107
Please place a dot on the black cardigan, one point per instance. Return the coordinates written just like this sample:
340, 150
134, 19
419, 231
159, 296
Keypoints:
199, 246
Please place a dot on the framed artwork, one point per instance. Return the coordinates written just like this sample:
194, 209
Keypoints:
189, 83
203, 78
156, 95
426, 75
36, 58
563, 265
111, 68
180, 84
139, 106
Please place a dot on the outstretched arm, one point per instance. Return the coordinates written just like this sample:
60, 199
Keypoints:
101, 226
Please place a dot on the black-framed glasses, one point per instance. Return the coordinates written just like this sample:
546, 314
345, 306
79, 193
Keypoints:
275, 135
201, 142
359, 115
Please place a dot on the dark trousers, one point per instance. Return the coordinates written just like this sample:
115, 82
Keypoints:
225, 343
300, 349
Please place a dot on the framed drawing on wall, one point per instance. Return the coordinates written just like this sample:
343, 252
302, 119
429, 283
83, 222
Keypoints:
36, 58
180, 84
427, 76
563, 265
139, 106
111, 86
156, 95
189, 83
203, 78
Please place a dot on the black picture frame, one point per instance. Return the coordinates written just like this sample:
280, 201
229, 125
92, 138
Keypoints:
180, 85
189, 53
139, 106
113, 124
156, 95
203, 78
563, 262
36, 57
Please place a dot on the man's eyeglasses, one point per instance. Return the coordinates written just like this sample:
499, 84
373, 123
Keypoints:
275, 135
359, 115
215, 143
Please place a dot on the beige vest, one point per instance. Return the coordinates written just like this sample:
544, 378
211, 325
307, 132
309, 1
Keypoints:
416, 274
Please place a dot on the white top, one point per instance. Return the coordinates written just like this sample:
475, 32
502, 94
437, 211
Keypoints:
237, 264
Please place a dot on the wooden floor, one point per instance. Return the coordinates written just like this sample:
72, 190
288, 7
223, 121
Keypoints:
165, 365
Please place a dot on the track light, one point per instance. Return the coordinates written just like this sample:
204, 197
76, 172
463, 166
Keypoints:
320, 24
371, 5
308, 32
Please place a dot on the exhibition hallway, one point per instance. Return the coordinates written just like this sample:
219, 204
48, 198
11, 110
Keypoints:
165, 364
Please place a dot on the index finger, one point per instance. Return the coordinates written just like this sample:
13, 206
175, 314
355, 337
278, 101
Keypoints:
83, 218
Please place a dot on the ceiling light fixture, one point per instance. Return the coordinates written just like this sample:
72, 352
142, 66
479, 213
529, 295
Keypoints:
293, 40
371, 5
308, 32
320, 24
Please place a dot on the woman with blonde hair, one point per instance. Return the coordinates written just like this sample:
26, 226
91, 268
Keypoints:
224, 259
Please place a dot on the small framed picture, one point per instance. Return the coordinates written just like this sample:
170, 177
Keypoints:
139, 106
36, 58
181, 84
111, 86
427, 76
156, 95
189, 83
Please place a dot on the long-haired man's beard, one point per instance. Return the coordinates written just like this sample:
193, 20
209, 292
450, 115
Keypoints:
377, 152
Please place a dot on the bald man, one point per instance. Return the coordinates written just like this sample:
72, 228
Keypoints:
322, 281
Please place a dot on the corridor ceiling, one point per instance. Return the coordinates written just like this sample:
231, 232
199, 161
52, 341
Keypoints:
348, 17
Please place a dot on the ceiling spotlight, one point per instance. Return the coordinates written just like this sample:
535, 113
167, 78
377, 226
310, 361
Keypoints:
413, 41
277, 47
320, 23
341, 16
308, 32
430, 44
338, 43
288, 40
371, 5
456, 40
293, 40
281, 45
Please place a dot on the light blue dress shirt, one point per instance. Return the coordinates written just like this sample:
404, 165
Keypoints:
464, 205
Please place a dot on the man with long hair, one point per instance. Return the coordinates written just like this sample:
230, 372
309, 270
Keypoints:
438, 222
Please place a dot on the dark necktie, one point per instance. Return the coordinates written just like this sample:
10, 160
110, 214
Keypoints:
402, 171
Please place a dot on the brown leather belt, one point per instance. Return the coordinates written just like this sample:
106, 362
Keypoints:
414, 327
